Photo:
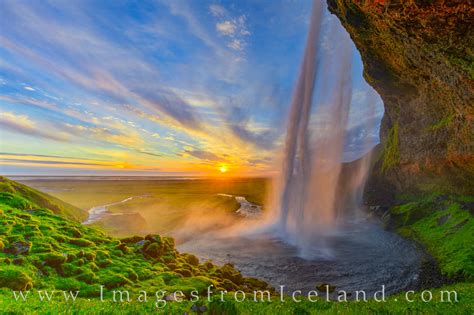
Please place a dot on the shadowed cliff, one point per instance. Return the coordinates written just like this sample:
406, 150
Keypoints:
418, 55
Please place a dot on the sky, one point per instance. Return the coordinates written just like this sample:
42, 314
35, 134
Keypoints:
157, 87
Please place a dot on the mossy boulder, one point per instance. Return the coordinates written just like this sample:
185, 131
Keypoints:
54, 259
68, 270
123, 248
74, 232
153, 238
229, 285
18, 247
254, 283
184, 272
15, 279
80, 242
229, 272
114, 280
192, 259
132, 239
153, 250
103, 263
87, 277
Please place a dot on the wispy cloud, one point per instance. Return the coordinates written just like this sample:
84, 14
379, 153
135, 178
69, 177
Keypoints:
234, 28
24, 125
217, 10
203, 155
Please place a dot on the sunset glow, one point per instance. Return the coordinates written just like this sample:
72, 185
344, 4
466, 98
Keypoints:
223, 168
195, 86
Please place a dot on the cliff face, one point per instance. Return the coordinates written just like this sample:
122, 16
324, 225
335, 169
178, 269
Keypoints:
419, 56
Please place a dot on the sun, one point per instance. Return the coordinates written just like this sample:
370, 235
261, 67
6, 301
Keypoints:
223, 168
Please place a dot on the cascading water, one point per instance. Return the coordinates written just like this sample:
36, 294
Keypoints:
317, 196
309, 188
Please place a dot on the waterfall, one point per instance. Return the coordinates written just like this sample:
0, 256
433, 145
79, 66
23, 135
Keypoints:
308, 190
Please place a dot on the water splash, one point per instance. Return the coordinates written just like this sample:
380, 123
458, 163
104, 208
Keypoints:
309, 188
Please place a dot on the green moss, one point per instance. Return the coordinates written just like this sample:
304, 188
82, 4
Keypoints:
113, 280
444, 225
391, 152
15, 201
153, 250
466, 65
192, 259
41, 200
88, 277
14, 278
442, 123
80, 242
53, 259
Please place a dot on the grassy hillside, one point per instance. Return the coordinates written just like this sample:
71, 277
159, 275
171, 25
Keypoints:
40, 249
444, 225
40, 199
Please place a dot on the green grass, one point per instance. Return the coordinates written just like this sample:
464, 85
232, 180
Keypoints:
396, 304
444, 225
41, 199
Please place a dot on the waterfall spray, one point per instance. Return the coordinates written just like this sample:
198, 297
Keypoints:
308, 187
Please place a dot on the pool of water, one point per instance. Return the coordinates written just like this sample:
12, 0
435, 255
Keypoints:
358, 256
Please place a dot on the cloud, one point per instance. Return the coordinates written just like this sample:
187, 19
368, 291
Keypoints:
203, 155
226, 28
46, 156
49, 162
29, 88
236, 44
217, 10
235, 28
24, 125
150, 153
129, 139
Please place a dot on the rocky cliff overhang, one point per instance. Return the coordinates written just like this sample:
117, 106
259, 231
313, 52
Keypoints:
419, 57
